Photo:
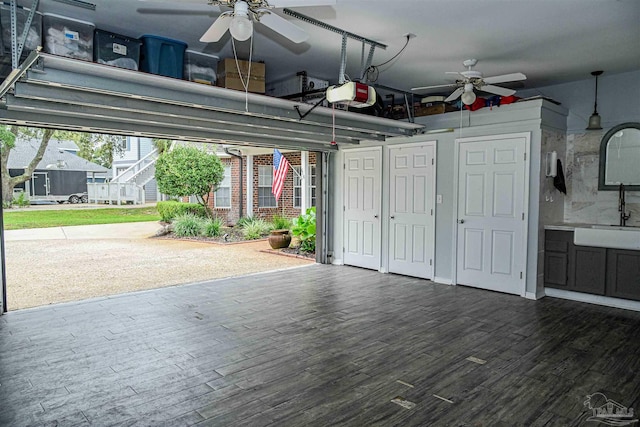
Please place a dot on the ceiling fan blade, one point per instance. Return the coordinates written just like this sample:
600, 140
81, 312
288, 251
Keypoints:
301, 3
283, 27
455, 95
497, 90
513, 77
433, 87
217, 29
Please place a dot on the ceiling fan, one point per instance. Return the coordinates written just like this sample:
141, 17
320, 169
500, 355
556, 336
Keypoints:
472, 79
239, 21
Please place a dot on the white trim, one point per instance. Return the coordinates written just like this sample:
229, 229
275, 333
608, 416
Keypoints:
442, 281
432, 222
534, 295
249, 185
305, 199
593, 299
525, 207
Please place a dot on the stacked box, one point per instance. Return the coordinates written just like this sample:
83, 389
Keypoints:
200, 67
116, 50
68, 37
252, 74
436, 108
34, 36
162, 56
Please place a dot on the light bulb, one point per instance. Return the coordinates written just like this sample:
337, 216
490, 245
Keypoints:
241, 28
468, 98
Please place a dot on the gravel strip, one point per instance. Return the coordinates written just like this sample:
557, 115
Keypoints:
44, 272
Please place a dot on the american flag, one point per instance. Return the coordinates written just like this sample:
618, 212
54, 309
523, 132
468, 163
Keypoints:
280, 168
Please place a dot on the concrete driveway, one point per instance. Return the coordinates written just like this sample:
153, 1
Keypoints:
52, 265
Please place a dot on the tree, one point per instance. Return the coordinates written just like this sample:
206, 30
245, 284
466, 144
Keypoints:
98, 148
185, 171
7, 142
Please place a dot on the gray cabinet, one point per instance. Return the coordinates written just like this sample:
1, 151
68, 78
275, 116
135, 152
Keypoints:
623, 274
598, 271
588, 269
556, 258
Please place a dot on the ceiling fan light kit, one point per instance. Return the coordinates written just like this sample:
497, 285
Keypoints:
594, 120
472, 80
241, 27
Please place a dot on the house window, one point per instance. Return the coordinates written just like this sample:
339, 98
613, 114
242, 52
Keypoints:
297, 186
265, 180
223, 193
125, 144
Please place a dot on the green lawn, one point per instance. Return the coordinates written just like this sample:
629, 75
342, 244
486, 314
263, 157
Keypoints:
59, 218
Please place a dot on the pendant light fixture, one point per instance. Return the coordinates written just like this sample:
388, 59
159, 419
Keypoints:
594, 120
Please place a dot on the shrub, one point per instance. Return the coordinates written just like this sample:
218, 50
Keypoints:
280, 222
21, 201
304, 228
188, 225
256, 229
212, 227
171, 209
244, 221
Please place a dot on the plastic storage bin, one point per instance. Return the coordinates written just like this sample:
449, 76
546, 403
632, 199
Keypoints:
68, 37
34, 36
200, 67
117, 50
162, 56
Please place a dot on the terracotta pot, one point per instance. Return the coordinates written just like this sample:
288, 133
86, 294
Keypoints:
279, 239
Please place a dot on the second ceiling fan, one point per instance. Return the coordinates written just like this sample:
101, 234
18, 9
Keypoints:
239, 21
472, 80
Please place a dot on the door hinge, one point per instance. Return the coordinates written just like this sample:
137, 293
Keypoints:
430, 262
433, 161
344, 166
525, 157
521, 275
523, 216
431, 212
344, 209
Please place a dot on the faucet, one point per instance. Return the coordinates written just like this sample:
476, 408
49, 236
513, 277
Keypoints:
621, 207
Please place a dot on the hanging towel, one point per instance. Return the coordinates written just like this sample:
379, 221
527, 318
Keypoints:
558, 180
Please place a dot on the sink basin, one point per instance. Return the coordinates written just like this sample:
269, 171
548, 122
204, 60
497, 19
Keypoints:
608, 236
615, 227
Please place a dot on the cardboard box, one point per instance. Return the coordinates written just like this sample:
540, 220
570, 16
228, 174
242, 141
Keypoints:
228, 76
433, 109
234, 82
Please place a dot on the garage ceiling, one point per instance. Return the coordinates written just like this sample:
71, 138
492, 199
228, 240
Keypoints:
551, 41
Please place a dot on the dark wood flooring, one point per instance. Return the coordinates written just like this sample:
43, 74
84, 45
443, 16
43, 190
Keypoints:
315, 346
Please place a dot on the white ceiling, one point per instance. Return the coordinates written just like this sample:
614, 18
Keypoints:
551, 41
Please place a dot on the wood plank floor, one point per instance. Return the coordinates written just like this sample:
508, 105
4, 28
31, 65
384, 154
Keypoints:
315, 346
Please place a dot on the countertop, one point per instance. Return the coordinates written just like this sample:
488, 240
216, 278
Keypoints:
565, 226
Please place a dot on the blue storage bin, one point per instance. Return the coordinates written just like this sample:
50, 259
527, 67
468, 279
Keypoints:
162, 56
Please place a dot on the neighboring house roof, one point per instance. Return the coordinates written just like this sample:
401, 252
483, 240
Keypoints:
62, 144
55, 157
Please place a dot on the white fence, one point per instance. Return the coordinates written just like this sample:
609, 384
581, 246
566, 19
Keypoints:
117, 193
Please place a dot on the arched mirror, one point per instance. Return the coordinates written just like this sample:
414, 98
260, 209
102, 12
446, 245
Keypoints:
620, 158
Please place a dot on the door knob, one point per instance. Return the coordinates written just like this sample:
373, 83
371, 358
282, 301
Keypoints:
375, 216
393, 217
461, 221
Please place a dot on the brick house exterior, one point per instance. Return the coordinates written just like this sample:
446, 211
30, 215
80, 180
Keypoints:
225, 202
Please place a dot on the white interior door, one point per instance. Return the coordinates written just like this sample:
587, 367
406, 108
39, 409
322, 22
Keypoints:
411, 211
362, 176
491, 251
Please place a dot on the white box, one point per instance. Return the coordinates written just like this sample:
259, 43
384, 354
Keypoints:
200, 67
68, 37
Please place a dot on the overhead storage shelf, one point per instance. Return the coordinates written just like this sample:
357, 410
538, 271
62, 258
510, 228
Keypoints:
58, 92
